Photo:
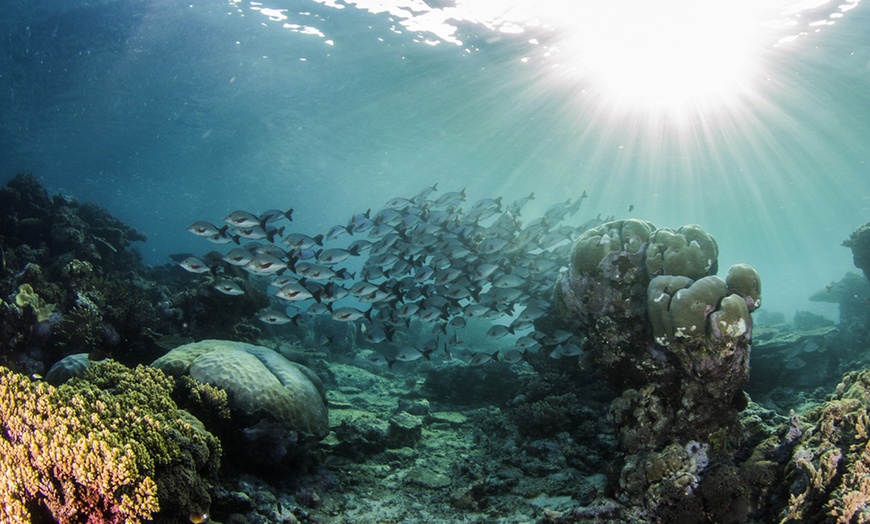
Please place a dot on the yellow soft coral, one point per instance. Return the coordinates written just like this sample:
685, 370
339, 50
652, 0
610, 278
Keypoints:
96, 447
27, 297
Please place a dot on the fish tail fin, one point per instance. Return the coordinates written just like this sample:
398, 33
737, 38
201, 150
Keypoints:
289, 214
237, 239
318, 239
495, 355
295, 319
368, 313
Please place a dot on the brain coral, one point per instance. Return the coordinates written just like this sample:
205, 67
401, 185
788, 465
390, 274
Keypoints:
276, 404
110, 447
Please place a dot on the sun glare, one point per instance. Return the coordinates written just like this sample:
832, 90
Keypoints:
663, 54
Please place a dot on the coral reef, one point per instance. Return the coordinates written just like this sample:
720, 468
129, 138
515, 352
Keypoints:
828, 474
666, 331
108, 446
277, 407
71, 282
859, 243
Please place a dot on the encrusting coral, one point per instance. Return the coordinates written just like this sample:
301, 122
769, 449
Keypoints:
110, 446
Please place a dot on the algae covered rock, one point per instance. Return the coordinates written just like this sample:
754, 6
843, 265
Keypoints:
277, 406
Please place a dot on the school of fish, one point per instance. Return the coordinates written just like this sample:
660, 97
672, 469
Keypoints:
417, 259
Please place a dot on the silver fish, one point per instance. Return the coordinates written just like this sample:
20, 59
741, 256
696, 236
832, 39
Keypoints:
206, 229
195, 265
293, 292
274, 317
242, 219
271, 215
498, 331
508, 281
482, 358
238, 257
513, 356
265, 265
349, 314
228, 287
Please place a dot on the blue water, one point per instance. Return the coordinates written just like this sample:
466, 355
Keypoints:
166, 112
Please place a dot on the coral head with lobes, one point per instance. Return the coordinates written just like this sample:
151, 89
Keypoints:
663, 327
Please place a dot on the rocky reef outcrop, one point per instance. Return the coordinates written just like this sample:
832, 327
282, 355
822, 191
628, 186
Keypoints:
672, 337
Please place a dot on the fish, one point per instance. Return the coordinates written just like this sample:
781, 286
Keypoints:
423, 260
450, 198
514, 355
293, 292
338, 230
206, 229
482, 358
508, 281
228, 287
349, 314
274, 317
378, 359
409, 354
265, 265
271, 215
499, 331
334, 256
238, 257
195, 265
242, 219
302, 241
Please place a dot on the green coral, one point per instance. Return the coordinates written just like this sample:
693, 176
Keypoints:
688, 251
660, 292
27, 297
744, 280
691, 306
732, 318
110, 446
594, 244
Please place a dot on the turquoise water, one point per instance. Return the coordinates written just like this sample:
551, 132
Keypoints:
166, 113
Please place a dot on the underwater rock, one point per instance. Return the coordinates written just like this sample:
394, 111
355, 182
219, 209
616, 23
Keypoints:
278, 407
405, 430
859, 243
66, 368
426, 478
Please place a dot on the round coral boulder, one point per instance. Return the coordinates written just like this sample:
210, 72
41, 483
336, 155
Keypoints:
276, 406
